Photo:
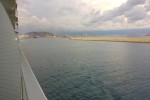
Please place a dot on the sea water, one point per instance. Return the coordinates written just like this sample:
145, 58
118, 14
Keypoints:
90, 70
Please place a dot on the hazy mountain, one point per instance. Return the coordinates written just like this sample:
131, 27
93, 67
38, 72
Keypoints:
39, 34
127, 32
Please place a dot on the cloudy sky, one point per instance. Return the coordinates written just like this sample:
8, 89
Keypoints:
77, 15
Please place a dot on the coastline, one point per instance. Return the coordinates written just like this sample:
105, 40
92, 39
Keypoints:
114, 39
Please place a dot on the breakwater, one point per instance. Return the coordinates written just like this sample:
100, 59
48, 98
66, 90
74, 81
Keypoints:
114, 39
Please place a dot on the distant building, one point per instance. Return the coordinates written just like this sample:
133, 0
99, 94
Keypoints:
48, 35
147, 35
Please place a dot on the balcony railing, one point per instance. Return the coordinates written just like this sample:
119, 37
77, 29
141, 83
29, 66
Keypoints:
30, 86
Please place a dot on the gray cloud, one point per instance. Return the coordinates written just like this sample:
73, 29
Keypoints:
135, 2
137, 13
129, 8
125, 7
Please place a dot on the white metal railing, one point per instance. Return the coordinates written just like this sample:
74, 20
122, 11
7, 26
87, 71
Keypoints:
30, 87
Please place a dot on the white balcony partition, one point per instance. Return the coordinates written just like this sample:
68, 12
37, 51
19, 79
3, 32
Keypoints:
17, 81
10, 69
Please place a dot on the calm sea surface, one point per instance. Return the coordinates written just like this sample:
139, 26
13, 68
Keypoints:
90, 70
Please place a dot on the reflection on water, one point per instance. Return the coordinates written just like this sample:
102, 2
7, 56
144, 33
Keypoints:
90, 70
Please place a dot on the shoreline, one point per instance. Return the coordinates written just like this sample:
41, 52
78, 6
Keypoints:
114, 39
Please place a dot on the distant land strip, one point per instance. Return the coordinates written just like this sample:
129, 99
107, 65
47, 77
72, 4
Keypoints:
114, 39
